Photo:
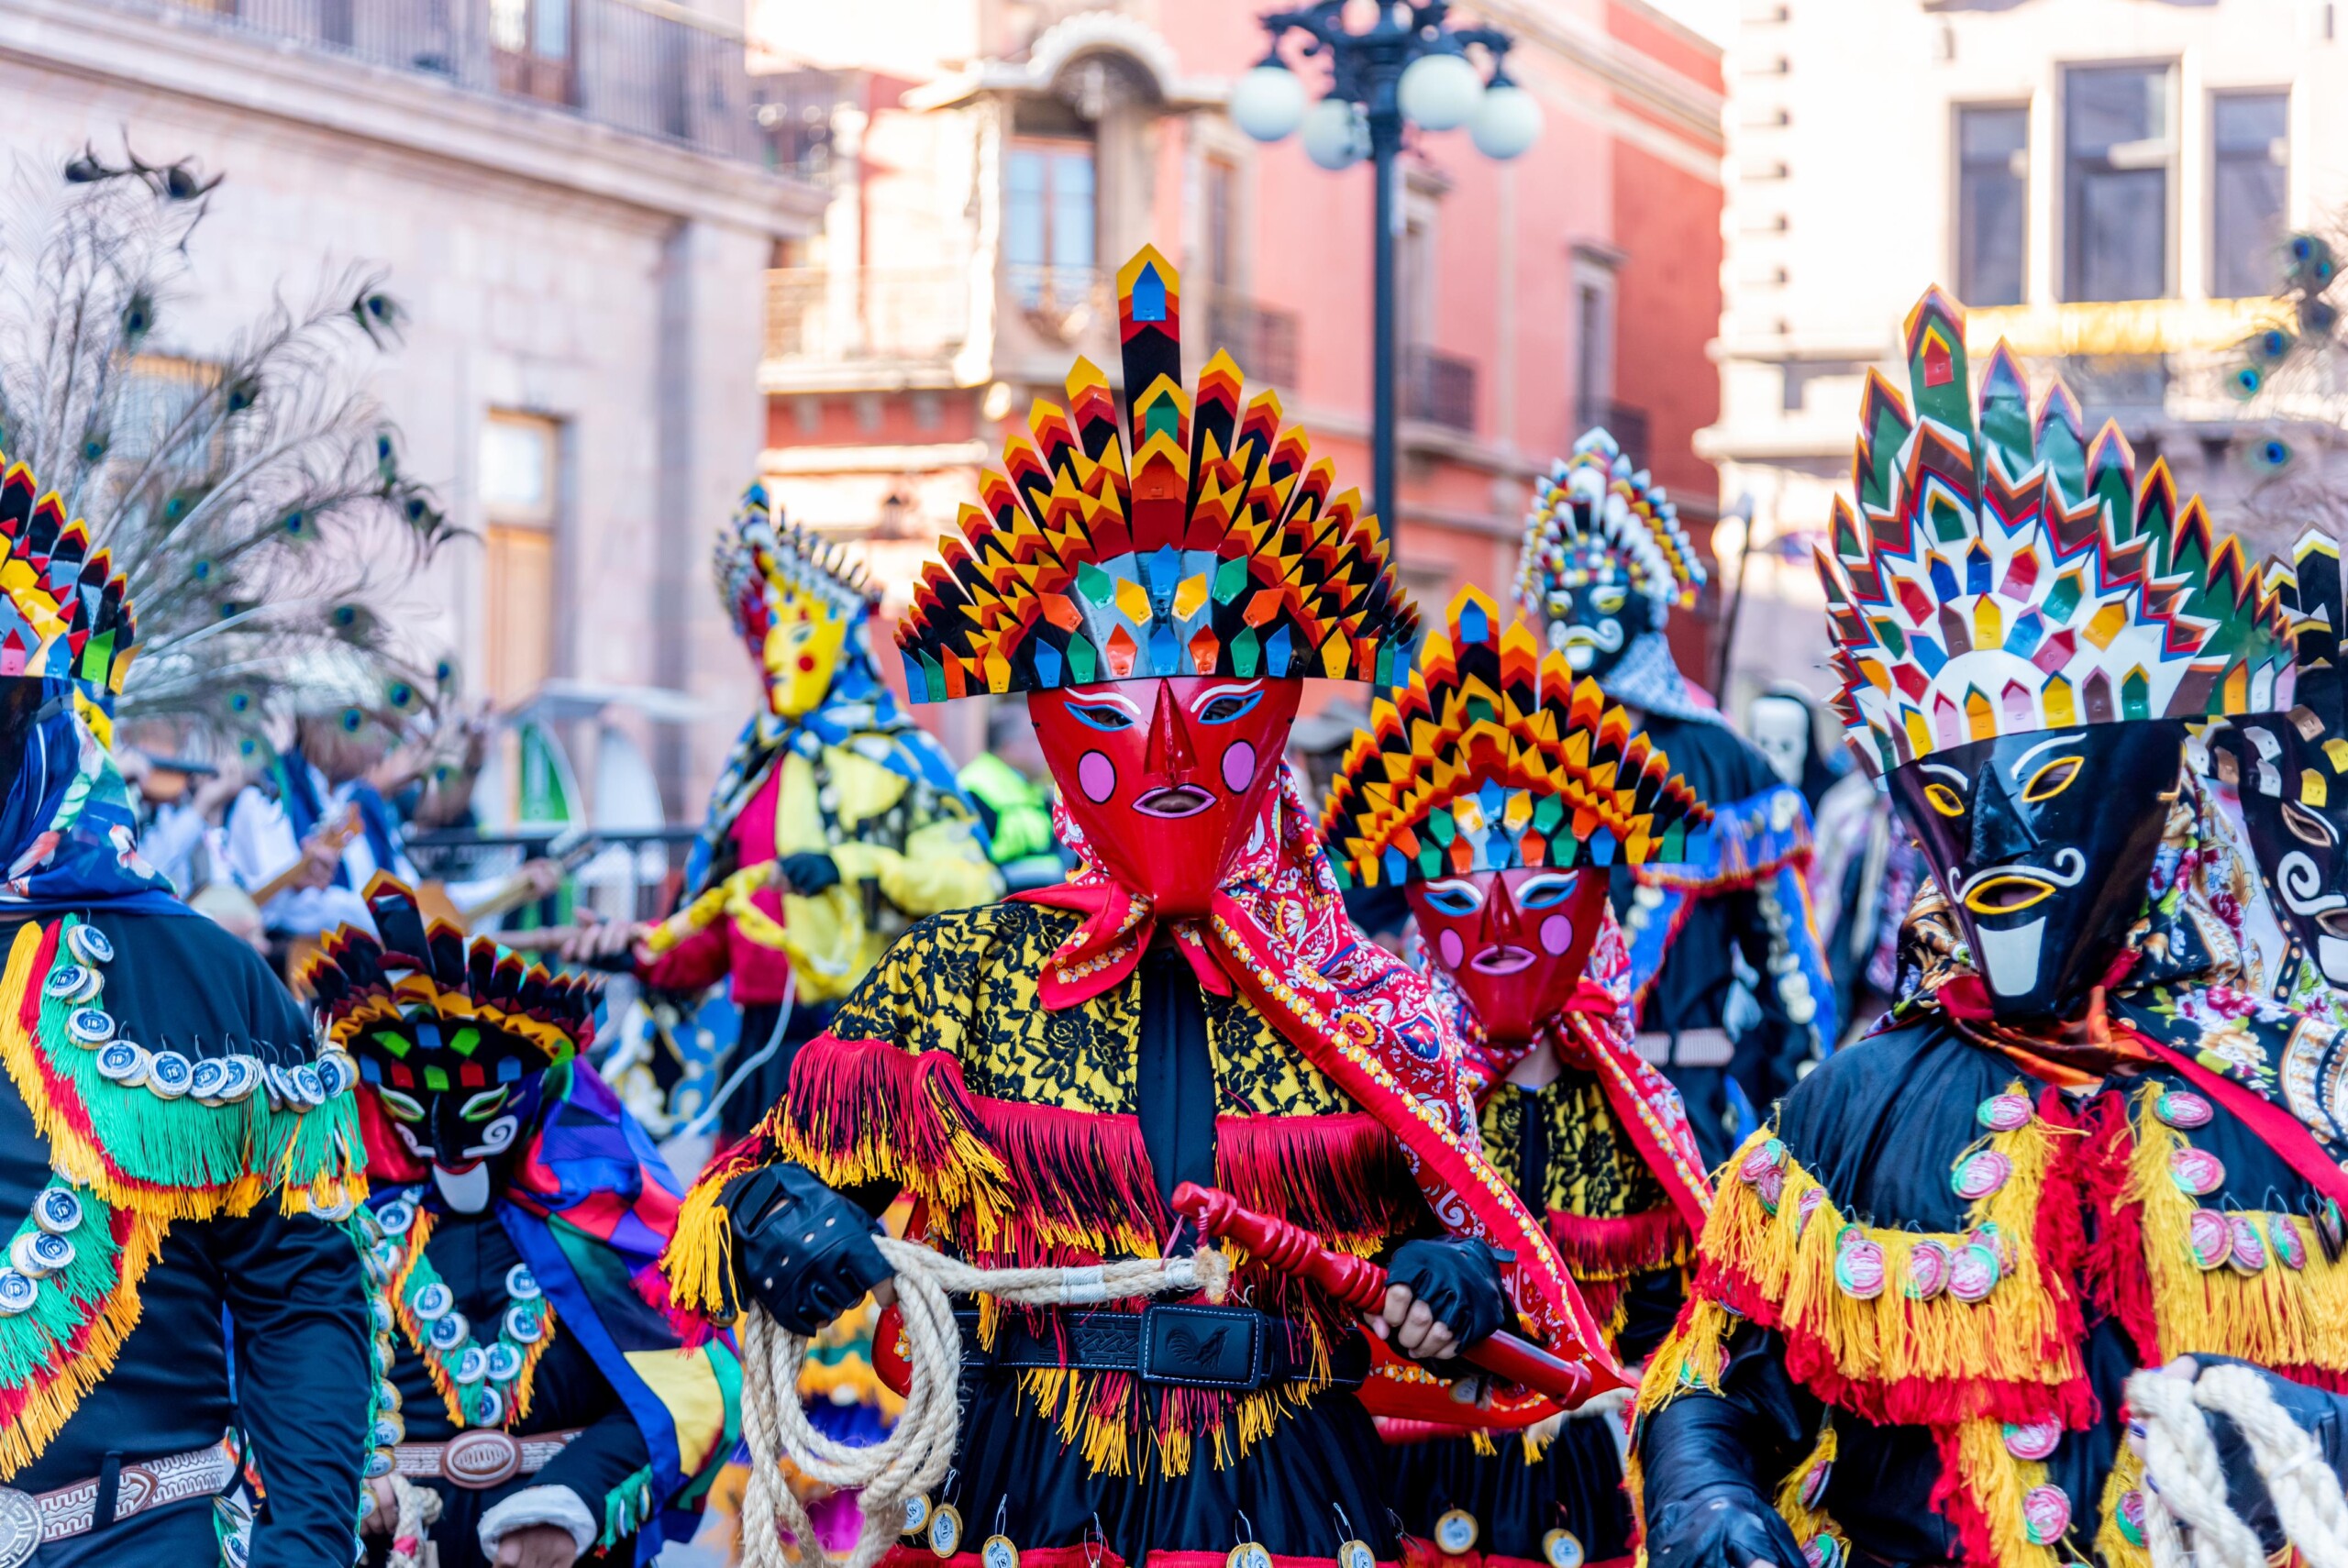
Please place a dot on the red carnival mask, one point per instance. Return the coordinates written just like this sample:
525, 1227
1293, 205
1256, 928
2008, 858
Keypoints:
1165, 777
1515, 941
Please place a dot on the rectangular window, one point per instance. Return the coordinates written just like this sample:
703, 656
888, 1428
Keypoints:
1594, 347
520, 495
1992, 202
2120, 158
529, 41
1223, 223
1049, 221
2250, 180
1414, 285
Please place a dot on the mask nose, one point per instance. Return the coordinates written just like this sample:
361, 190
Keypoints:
2001, 830
1170, 759
1504, 927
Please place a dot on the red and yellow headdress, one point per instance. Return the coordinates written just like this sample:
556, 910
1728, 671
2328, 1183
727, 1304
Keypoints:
1191, 536
1490, 759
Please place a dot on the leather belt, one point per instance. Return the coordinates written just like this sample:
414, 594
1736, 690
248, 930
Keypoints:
1687, 1048
29, 1519
480, 1458
1170, 1344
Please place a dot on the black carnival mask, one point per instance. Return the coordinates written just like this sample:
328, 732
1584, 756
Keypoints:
2044, 842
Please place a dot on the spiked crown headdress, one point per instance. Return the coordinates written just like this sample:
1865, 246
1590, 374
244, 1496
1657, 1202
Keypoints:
2001, 576
63, 611
2314, 602
454, 1012
1492, 757
1594, 517
1193, 536
764, 564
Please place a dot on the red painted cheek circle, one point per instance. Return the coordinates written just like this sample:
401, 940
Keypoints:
1453, 951
807, 664
1096, 776
1238, 767
1557, 935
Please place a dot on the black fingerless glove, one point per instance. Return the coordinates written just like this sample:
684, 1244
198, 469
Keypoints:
809, 872
1459, 1281
1704, 1510
801, 1249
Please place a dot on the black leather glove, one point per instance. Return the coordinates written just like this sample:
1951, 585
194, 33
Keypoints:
1460, 1283
2319, 1414
809, 872
801, 1249
1704, 1507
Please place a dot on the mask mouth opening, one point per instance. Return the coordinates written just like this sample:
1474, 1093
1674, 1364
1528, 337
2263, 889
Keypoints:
1504, 959
1174, 802
2333, 924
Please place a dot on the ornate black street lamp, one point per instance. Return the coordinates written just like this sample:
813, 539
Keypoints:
1405, 67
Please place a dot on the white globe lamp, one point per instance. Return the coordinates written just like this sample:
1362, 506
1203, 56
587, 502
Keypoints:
1440, 92
1334, 134
1268, 102
1507, 121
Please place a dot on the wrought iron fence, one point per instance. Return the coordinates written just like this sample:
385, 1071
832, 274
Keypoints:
866, 313
1262, 340
1439, 389
1627, 425
646, 66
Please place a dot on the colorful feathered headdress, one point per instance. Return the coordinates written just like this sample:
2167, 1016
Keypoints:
1492, 757
63, 610
1595, 520
766, 568
2001, 576
425, 995
1191, 536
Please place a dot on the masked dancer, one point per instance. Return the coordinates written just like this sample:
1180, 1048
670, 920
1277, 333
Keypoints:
2077, 1148
533, 1378
1731, 994
1496, 792
177, 1304
1192, 1006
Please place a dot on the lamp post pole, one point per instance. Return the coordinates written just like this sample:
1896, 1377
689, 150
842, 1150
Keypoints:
1406, 67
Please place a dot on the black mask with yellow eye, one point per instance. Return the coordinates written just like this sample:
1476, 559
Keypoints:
2043, 843
1593, 622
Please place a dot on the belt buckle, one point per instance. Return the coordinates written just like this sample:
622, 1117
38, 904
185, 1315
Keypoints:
480, 1459
1192, 1346
20, 1527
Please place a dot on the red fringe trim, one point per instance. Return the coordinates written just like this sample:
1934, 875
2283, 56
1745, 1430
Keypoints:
847, 1093
1341, 1178
1621, 1244
1954, 1503
2113, 1263
1074, 1170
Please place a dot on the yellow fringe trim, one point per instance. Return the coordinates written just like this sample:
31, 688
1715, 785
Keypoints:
46, 1411
395, 1294
2277, 1317
1997, 1481
2111, 1544
1105, 1436
1892, 1339
1808, 1523
1698, 1343
698, 1259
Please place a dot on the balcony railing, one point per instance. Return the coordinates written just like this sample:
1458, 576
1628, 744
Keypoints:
1262, 340
1439, 389
1627, 425
645, 66
836, 315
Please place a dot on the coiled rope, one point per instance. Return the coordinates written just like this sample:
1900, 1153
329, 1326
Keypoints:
912, 1459
418, 1508
2186, 1482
